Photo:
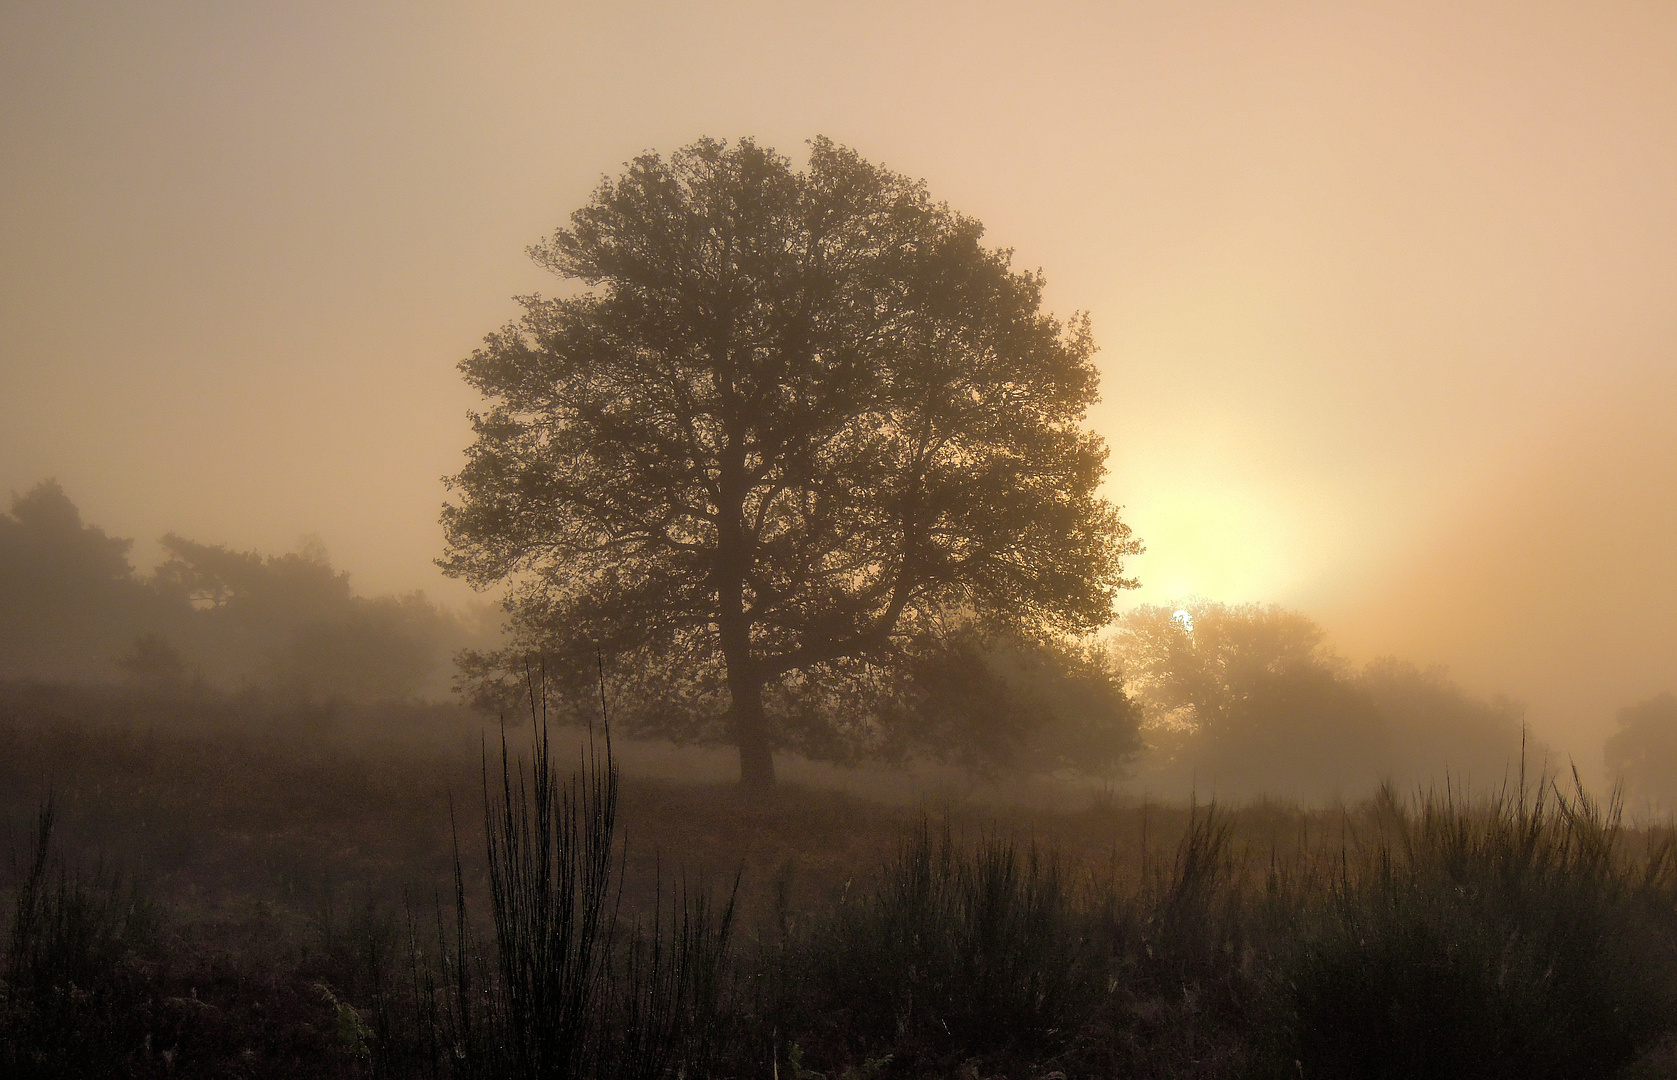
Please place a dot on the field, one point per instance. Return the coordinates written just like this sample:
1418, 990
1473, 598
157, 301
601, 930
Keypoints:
235, 887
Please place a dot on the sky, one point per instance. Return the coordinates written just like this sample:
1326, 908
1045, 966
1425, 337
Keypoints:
1386, 295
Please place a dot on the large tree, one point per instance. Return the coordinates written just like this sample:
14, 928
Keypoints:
786, 428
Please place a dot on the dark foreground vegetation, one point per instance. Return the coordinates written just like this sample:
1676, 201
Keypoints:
288, 905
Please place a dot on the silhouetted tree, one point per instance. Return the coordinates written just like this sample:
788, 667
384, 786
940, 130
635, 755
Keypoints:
69, 600
791, 420
1643, 752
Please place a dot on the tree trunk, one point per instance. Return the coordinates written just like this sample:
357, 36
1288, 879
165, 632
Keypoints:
751, 733
745, 685
733, 624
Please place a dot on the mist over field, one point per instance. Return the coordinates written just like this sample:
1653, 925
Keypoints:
807, 429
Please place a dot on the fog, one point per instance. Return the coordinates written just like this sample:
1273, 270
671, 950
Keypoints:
1383, 294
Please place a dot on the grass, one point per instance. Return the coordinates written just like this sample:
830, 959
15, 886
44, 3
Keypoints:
550, 847
69, 972
305, 910
1492, 938
577, 992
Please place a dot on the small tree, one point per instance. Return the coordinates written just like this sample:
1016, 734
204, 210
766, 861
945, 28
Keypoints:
793, 424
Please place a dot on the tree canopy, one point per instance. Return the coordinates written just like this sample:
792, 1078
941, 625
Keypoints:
792, 428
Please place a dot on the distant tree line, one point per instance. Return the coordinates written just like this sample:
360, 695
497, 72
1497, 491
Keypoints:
73, 607
1244, 700
1231, 701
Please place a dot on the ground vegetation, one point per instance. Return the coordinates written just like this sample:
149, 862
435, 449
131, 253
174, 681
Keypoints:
304, 908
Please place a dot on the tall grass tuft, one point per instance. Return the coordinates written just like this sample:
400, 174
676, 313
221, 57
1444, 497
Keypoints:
668, 1016
955, 950
1192, 918
1504, 938
551, 877
570, 992
69, 992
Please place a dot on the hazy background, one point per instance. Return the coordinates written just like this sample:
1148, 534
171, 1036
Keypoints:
1387, 299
